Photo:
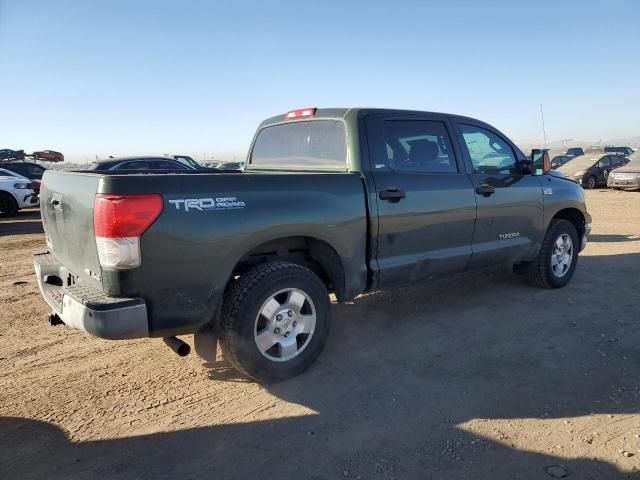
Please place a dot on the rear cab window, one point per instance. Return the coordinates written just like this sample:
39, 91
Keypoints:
318, 144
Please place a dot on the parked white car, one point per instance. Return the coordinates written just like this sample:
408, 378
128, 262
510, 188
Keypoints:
16, 193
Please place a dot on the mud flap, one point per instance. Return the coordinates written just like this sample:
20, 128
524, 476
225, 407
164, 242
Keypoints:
206, 345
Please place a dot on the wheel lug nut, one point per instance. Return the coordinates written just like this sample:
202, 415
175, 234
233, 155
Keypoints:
278, 317
277, 330
286, 334
290, 313
295, 323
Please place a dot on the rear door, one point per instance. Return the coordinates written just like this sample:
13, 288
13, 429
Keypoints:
604, 167
617, 161
425, 202
510, 206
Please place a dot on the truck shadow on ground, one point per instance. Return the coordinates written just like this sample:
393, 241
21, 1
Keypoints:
26, 221
614, 238
403, 372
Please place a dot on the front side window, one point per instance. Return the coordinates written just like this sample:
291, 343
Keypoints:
418, 146
311, 144
490, 154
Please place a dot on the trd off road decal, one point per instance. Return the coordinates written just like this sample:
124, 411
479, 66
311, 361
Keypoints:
208, 204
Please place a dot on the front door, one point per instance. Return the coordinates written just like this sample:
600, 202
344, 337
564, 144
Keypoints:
425, 202
510, 207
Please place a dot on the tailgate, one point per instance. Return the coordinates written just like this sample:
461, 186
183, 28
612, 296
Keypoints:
66, 203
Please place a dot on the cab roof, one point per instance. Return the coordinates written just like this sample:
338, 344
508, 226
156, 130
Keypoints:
342, 112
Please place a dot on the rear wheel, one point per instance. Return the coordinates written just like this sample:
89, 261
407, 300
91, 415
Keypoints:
590, 183
558, 256
8, 205
275, 321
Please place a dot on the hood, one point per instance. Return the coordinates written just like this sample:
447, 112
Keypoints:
584, 162
632, 167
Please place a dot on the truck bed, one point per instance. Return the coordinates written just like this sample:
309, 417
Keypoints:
188, 254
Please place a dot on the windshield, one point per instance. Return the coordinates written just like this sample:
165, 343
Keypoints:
582, 162
306, 145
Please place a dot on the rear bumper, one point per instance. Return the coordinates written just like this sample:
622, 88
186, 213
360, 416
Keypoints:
84, 308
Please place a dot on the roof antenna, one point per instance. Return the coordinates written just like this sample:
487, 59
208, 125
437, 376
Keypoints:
544, 132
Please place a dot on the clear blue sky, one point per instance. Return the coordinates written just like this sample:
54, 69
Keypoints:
134, 77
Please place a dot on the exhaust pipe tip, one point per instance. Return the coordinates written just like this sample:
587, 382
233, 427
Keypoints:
174, 343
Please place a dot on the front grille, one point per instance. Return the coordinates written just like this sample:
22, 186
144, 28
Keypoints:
624, 176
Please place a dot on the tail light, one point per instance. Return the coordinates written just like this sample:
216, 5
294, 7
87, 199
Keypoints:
118, 222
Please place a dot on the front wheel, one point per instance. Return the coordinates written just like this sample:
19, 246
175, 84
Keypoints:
275, 321
556, 262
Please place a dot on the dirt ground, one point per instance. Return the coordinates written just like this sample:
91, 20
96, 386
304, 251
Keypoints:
476, 377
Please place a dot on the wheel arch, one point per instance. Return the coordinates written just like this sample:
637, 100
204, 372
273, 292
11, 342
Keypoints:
575, 216
314, 253
10, 193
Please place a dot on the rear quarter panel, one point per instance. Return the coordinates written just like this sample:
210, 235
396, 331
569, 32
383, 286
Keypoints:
188, 256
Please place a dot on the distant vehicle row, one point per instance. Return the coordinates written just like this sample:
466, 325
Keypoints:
44, 155
591, 171
559, 157
177, 163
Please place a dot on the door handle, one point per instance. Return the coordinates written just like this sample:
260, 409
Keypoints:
485, 190
393, 194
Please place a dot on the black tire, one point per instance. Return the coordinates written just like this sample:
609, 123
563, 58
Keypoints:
539, 272
591, 182
8, 205
240, 313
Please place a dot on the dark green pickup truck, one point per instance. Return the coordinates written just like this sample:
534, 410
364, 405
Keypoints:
338, 201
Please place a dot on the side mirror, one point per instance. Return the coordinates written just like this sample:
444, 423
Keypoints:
540, 161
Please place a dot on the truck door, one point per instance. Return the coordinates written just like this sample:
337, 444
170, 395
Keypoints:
425, 202
509, 225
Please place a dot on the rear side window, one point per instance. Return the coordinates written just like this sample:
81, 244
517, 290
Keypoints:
315, 145
21, 169
35, 171
166, 165
138, 165
418, 146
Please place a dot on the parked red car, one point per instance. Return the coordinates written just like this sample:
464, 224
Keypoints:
48, 155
